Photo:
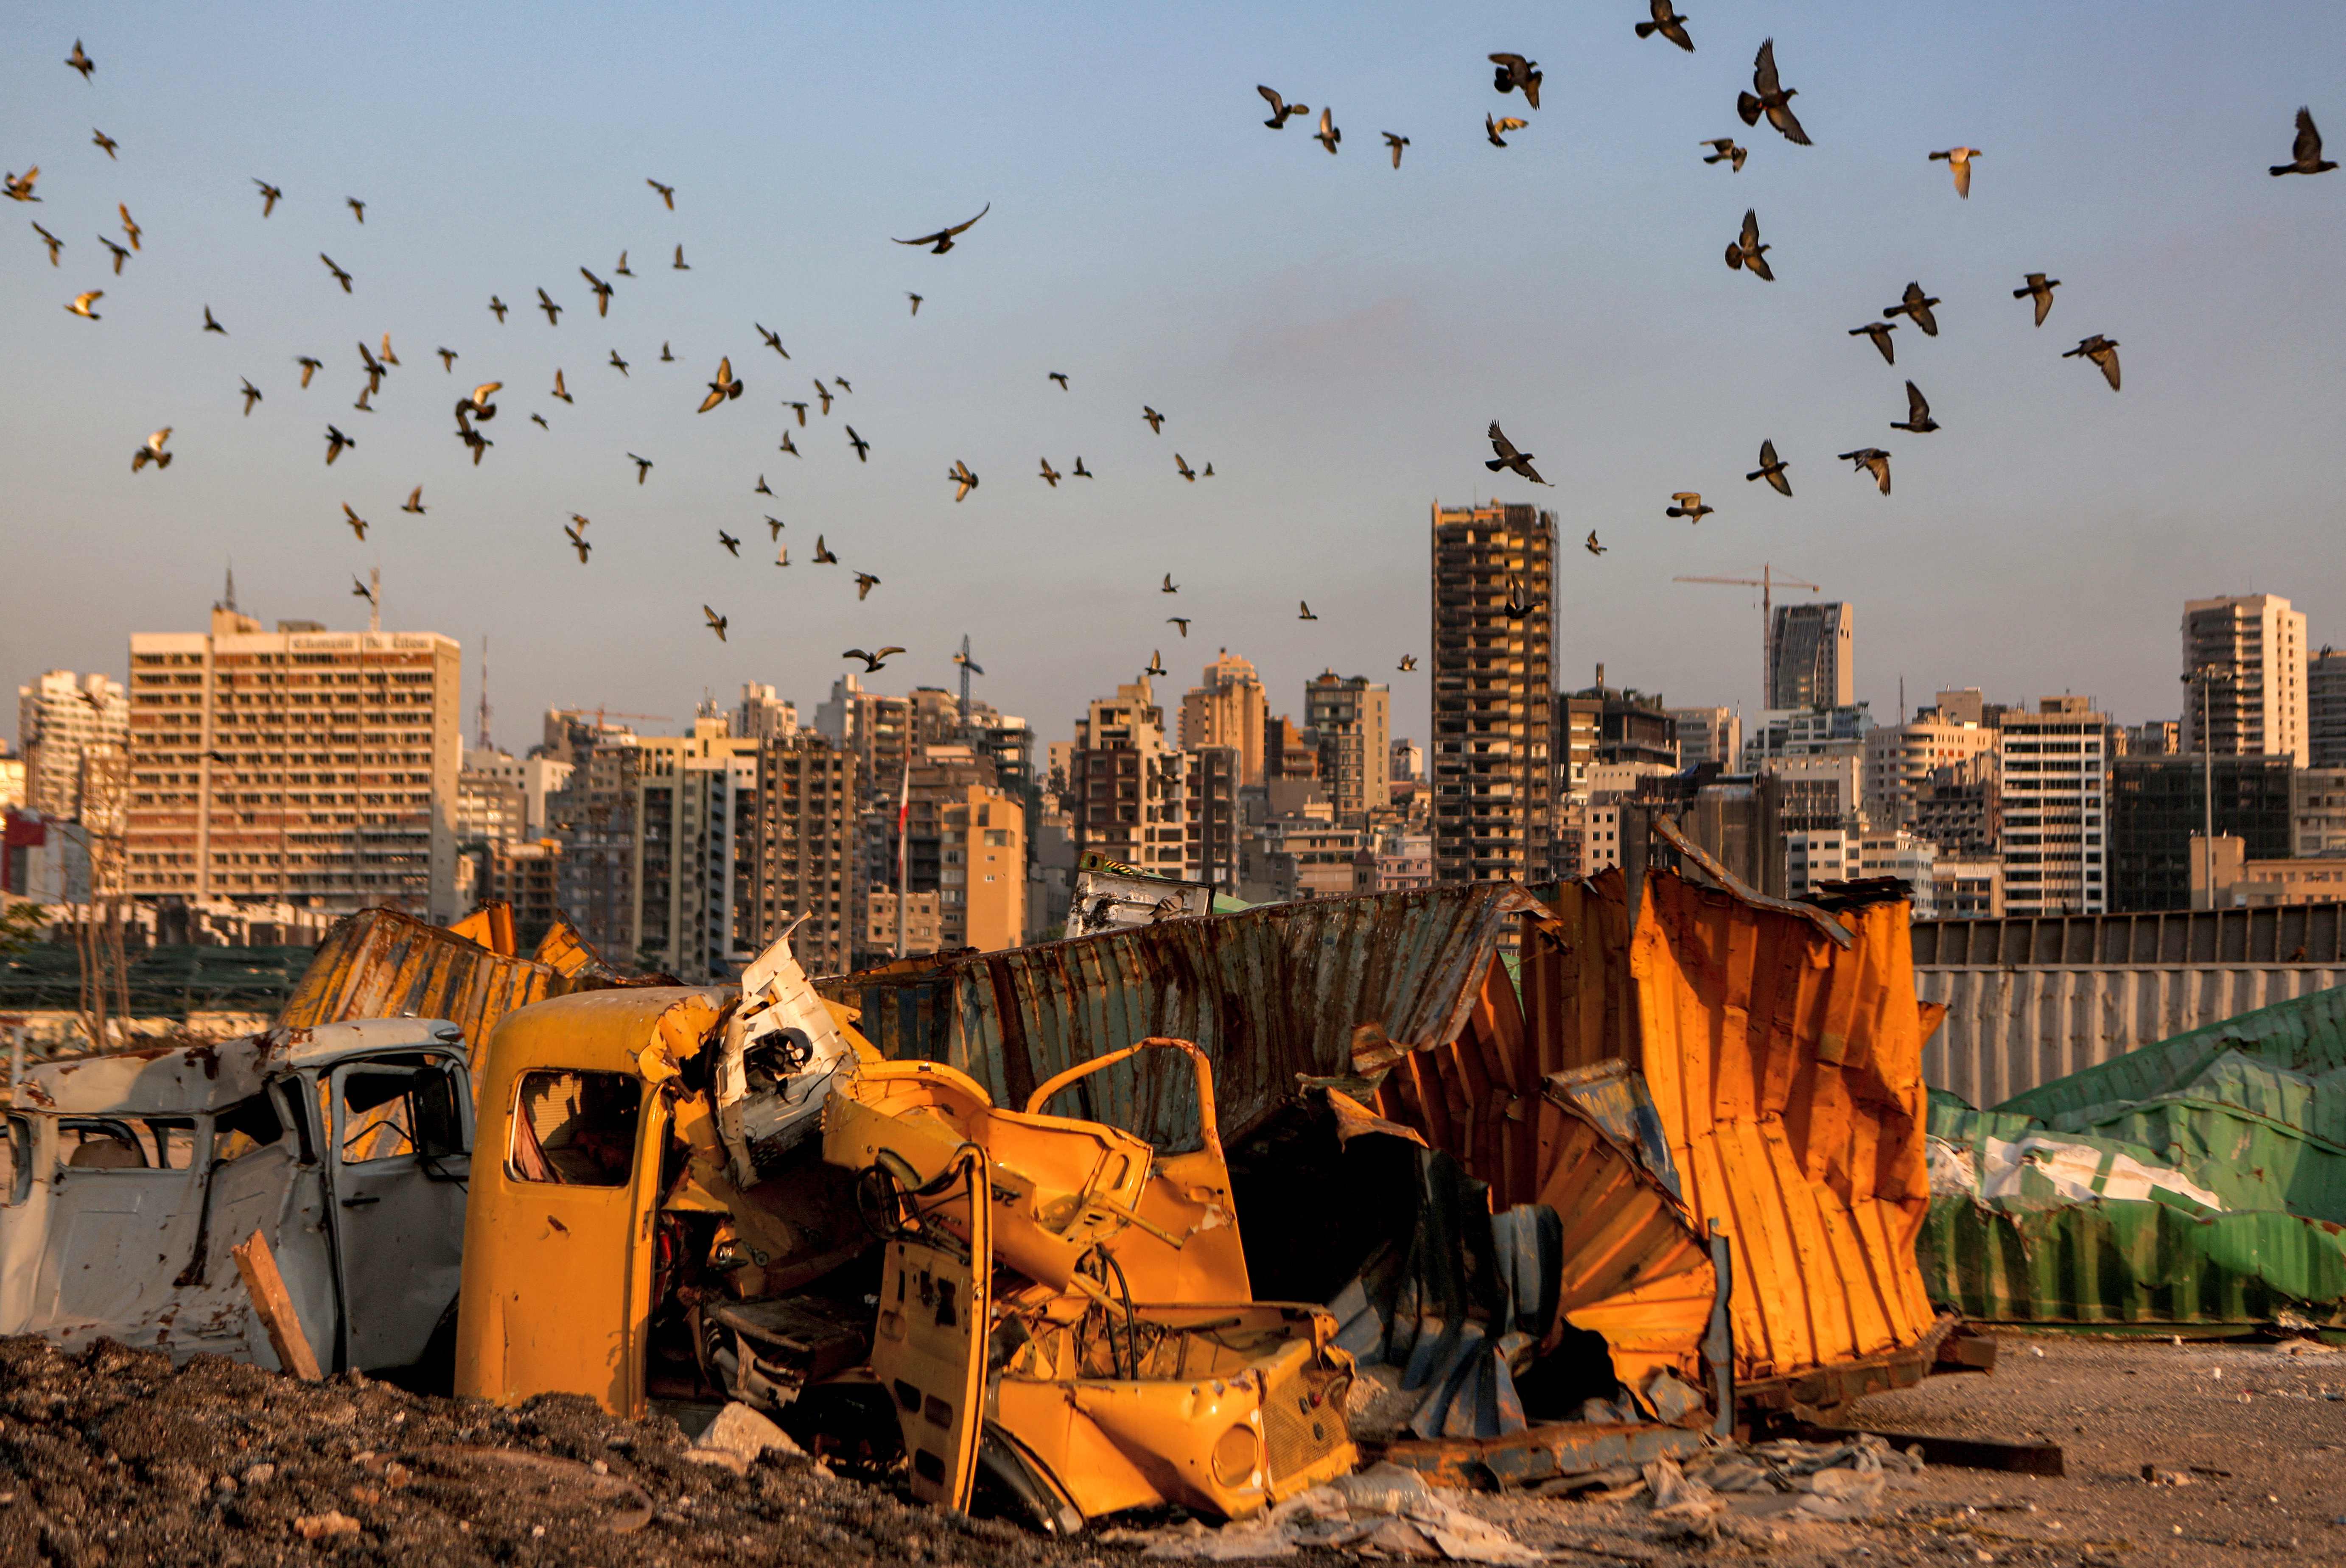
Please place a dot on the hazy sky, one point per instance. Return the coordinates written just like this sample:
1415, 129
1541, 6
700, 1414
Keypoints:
1331, 334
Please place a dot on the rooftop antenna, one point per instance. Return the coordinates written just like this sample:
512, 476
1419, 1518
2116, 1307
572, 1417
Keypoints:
484, 743
227, 600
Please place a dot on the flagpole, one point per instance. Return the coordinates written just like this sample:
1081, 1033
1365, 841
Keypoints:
903, 811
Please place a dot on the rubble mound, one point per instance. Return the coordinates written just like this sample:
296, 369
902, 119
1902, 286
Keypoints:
114, 1457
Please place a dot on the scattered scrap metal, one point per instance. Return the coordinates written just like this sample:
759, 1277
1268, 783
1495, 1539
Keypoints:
1202, 1213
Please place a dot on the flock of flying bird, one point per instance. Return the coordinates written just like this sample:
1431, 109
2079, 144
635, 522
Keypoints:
1513, 72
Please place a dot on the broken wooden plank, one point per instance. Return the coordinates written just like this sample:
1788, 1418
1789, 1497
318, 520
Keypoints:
258, 1267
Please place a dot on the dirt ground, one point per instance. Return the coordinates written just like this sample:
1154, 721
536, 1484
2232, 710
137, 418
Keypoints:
2257, 1432
113, 1458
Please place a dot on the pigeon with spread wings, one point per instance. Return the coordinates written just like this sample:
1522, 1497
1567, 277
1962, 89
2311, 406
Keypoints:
875, 660
1873, 459
942, 239
1959, 160
1915, 306
1668, 23
725, 385
1509, 458
1771, 469
1771, 97
1281, 111
2102, 351
1918, 412
1515, 71
2305, 156
1745, 252
2038, 288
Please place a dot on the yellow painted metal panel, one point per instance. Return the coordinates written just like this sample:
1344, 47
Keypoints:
1787, 1072
557, 1288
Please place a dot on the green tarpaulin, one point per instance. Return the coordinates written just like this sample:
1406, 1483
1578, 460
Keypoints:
2199, 1181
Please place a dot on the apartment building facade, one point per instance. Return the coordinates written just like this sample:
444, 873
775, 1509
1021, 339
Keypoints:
314, 766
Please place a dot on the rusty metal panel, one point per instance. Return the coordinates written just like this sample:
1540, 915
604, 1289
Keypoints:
1786, 1070
1574, 975
2010, 1029
1268, 993
380, 963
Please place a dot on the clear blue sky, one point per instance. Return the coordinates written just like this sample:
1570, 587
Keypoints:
1331, 334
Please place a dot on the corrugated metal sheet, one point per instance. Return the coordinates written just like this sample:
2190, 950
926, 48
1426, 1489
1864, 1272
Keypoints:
2132, 1262
380, 963
2007, 1031
1269, 994
2281, 933
1786, 1070
2306, 1034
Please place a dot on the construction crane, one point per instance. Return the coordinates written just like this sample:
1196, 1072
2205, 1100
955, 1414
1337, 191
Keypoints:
969, 667
1766, 582
601, 713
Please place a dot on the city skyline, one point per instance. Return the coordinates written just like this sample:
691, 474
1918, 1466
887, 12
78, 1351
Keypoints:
1336, 374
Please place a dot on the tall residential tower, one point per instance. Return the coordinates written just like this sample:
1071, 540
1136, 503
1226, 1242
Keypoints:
1493, 691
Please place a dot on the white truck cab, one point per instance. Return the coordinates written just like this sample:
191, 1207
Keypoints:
127, 1179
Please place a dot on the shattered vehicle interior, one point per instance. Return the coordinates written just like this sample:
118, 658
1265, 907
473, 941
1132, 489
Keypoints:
130, 1179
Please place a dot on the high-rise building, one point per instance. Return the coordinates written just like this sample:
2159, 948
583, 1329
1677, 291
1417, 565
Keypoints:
2244, 659
1128, 788
1631, 726
879, 729
2325, 709
2053, 770
1212, 810
2317, 806
59, 717
593, 816
1492, 650
1228, 707
1352, 719
304, 765
802, 845
1810, 656
696, 801
1708, 735
1960, 808
764, 715
2158, 816
526, 876
982, 892
492, 797
1407, 764
1289, 753
1900, 759
1806, 732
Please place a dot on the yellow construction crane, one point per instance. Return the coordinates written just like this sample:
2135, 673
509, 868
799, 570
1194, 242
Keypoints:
1766, 582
